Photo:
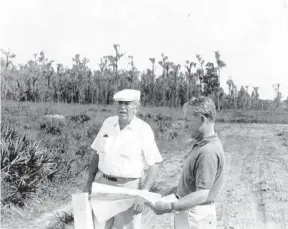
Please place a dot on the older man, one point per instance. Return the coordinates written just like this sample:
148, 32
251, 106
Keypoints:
202, 174
124, 146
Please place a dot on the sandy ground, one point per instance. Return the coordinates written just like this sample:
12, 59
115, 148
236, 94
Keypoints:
255, 193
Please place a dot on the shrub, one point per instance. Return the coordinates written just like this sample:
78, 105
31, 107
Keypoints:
48, 110
163, 122
146, 117
52, 126
7, 118
81, 150
79, 118
105, 110
24, 164
60, 148
93, 130
76, 134
61, 220
93, 109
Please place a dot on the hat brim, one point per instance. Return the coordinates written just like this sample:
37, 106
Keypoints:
125, 100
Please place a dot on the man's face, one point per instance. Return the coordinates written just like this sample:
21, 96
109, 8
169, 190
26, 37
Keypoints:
126, 110
193, 125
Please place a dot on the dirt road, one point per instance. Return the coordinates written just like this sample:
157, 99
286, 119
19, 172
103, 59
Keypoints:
255, 194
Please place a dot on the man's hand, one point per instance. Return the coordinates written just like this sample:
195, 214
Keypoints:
138, 206
161, 207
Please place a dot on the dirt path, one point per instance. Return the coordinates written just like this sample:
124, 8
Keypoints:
255, 194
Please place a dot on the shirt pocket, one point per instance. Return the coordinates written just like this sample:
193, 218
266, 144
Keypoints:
105, 144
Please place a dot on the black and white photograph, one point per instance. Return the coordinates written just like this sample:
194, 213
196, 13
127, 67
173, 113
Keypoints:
144, 114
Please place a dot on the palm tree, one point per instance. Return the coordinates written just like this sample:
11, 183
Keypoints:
164, 64
133, 73
191, 81
230, 84
255, 97
220, 65
175, 92
278, 94
166, 67
5, 80
153, 65
117, 57
200, 71
234, 94
114, 60
247, 87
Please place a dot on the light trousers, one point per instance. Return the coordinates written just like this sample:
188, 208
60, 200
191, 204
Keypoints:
199, 217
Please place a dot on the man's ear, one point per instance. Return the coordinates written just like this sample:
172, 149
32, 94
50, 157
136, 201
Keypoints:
136, 109
203, 118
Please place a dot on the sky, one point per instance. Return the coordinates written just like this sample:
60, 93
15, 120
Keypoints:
251, 36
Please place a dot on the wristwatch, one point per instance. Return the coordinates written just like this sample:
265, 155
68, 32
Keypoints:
172, 206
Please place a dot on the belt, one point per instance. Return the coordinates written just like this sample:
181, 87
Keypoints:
117, 179
207, 203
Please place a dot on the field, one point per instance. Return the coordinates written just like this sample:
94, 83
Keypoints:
256, 150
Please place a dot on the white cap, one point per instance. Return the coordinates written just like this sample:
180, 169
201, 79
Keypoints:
127, 95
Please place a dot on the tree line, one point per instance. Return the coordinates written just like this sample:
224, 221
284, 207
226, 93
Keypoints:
39, 81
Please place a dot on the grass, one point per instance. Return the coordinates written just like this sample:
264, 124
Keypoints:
70, 141
62, 220
283, 135
249, 116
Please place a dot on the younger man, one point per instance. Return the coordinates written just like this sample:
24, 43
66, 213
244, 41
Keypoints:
202, 175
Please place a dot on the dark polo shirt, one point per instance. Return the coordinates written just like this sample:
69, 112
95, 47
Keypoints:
203, 168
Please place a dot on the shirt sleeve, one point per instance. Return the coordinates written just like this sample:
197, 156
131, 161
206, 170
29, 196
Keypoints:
150, 148
206, 169
96, 143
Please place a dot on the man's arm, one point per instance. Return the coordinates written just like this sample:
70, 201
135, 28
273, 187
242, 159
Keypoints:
192, 200
93, 169
187, 202
152, 172
150, 177
206, 169
152, 157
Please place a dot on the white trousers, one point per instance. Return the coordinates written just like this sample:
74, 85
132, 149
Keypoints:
199, 217
124, 220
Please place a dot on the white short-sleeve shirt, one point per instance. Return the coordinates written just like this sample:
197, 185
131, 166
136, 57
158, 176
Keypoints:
125, 153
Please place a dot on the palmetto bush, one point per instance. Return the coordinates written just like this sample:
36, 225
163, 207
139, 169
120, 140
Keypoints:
161, 124
24, 165
81, 118
52, 126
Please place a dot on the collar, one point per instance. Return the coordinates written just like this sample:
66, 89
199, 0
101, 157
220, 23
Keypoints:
131, 125
206, 140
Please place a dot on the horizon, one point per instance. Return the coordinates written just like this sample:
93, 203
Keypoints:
254, 47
